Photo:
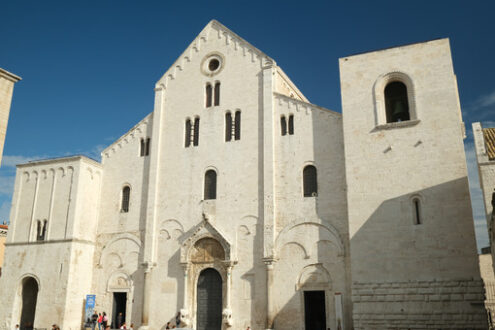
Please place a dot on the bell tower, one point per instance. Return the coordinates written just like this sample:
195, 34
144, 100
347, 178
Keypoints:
413, 248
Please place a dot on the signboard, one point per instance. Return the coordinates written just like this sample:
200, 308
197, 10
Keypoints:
89, 308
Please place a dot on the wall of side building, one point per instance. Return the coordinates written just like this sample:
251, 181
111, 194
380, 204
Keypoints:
404, 273
7, 81
63, 196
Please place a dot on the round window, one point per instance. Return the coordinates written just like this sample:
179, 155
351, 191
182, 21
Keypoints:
213, 65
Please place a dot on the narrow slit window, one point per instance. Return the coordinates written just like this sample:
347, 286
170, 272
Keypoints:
228, 126
147, 151
237, 133
38, 230
126, 194
417, 211
142, 148
217, 94
310, 181
210, 185
208, 95
196, 132
291, 125
43, 231
283, 125
188, 133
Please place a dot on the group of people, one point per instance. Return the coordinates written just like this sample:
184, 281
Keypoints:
101, 320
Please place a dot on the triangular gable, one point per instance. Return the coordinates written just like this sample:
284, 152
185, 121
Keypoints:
211, 30
203, 230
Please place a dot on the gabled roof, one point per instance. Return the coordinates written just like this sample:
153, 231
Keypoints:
489, 137
212, 28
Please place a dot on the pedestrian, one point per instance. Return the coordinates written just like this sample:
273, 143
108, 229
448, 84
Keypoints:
94, 320
105, 320
119, 320
131, 326
123, 326
248, 328
168, 325
177, 319
100, 320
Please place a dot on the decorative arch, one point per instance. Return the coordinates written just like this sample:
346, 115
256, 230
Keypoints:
314, 276
379, 95
329, 232
125, 236
119, 281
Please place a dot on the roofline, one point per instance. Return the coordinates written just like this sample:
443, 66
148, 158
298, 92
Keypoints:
59, 160
9, 75
285, 76
392, 47
332, 112
126, 133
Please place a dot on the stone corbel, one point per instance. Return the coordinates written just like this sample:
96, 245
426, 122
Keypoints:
184, 318
227, 317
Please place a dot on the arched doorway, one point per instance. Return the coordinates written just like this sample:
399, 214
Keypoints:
29, 298
209, 300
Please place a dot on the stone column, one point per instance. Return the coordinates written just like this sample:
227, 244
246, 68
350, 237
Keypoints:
184, 312
227, 311
146, 295
270, 313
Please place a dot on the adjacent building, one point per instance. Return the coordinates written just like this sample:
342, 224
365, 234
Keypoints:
238, 203
7, 81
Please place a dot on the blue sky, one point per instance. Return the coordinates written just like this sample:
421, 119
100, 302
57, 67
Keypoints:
89, 67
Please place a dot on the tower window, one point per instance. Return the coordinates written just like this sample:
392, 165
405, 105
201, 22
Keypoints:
142, 148
291, 125
213, 64
283, 126
126, 194
417, 211
310, 181
210, 185
232, 127
217, 94
41, 227
208, 95
396, 102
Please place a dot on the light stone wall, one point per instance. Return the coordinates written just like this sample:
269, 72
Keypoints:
388, 165
268, 242
7, 81
65, 192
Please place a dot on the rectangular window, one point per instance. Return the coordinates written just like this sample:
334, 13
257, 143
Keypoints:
291, 125
283, 125
237, 125
196, 131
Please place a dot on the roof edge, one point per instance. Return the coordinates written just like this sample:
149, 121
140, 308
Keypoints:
59, 160
9, 75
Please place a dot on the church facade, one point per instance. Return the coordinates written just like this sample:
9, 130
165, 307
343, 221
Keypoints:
238, 203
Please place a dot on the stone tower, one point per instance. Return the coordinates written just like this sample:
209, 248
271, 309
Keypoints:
410, 220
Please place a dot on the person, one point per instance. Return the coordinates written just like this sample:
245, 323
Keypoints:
131, 327
248, 328
177, 319
100, 320
104, 320
168, 325
123, 326
94, 319
119, 320
54, 327
16, 326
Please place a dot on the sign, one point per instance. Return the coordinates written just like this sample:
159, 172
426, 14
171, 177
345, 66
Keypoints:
89, 308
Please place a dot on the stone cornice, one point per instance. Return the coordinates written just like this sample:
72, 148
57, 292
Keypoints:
8, 75
307, 105
59, 160
54, 241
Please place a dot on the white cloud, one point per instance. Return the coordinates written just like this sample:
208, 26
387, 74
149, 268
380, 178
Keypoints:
12, 161
487, 100
7, 185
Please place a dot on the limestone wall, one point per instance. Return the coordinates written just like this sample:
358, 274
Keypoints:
388, 165
7, 81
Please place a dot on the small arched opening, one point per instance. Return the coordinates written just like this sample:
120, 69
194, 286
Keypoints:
29, 299
396, 102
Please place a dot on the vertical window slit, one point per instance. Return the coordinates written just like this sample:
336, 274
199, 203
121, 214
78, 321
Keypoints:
196, 132
283, 125
217, 93
126, 194
417, 212
210, 185
291, 125
188, 133
208, 95
237, 125
228, 126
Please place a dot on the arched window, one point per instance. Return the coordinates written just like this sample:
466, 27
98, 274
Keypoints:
396, 102
283, 126
217, 93
142, 148
188, 133
126, 194
291, 125
210, 185
208, 95
43, 231
310, 181
196, 132
237, 132
38, 230
417, 211
228, 126
147, 149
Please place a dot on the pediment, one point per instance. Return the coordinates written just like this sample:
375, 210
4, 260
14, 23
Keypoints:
205, 230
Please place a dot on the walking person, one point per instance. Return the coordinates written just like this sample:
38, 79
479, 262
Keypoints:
94, 320
119, 320
100, 321
104, 320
